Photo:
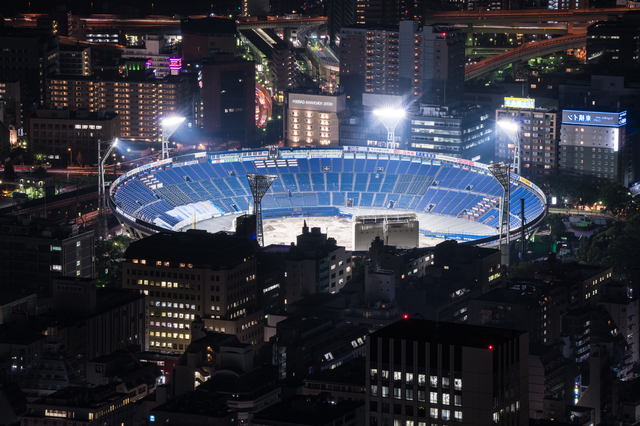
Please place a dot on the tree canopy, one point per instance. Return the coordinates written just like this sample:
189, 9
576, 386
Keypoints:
109, 257
618, 246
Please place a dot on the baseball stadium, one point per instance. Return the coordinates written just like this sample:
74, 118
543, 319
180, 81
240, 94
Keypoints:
450, 198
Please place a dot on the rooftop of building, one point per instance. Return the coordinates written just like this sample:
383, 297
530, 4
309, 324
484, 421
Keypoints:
73, 396
113, 76
440, 111
67, 114
570, 271
265, 40
352, 372
201, 403
36, 227
306, 410
195, 247
447, 333
515, 294
256, 381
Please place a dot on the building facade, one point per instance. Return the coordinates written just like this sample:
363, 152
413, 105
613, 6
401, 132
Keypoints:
462, 132
191, 274
71, 135
228, 97
536, 135
156, 51
591, 142
316, 264
425, 62
29, 56
34, 251
422, 372
313, 120
138, 103
75, 60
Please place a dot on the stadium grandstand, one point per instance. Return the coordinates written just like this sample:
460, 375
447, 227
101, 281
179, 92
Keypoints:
453, 198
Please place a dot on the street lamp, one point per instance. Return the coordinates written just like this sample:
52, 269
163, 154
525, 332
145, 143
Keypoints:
70, 156
512, 129
169, 126
390, 117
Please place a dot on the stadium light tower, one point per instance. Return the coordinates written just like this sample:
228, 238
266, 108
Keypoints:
169, 126
502, 172
512, 129
102, 195
259, 185
390, 117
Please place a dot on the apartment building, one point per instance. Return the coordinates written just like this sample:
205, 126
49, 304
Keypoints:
535, 133
424, 62
138, 103
75, 60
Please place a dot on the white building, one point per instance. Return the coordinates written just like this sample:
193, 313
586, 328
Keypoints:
154, 50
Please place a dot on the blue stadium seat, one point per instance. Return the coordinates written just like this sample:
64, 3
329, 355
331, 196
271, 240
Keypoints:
317, 179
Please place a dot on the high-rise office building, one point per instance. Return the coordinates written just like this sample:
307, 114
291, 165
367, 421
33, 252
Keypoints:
462, 132
194, 273
62, 134
423, 63
536, 130
30, 56
423, 373
36, 250
613, 45
591, 143
202, 38
228, 96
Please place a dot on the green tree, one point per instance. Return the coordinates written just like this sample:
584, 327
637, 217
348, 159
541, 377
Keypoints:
9, 173
522, 270
615, 197
556, 224
109, 257
40, 172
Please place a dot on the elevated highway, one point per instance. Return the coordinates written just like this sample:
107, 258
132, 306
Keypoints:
526, 15
524, 53
170, 24
551, 28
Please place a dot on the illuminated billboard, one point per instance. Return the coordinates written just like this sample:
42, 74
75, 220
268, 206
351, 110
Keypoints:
591, 118
520, 103
322, 103
175, 64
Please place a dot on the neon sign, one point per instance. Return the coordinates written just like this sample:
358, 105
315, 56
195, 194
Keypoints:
612, 119
175, 64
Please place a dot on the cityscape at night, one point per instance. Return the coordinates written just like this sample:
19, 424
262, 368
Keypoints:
320, 213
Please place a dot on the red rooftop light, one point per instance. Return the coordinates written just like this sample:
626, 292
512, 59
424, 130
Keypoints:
405, 316
490, 346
